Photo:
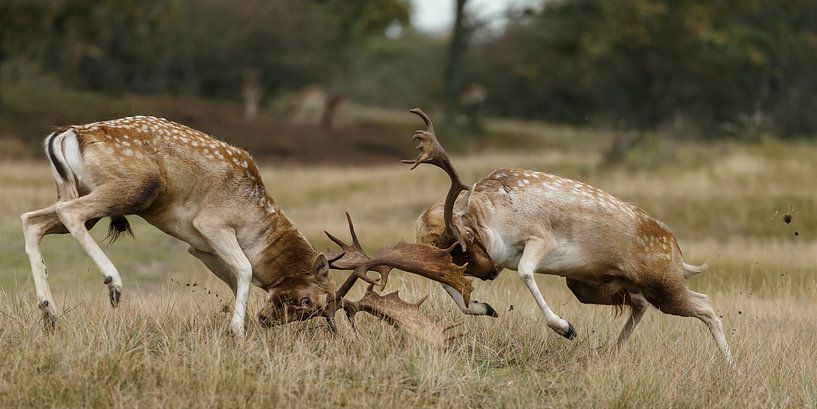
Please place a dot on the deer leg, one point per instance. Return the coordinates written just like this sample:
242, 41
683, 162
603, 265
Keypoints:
37, 224
611, 293
673, 297
536, 251
74, 214
226, 248
217, 266
702, 310
638, 306
473, 307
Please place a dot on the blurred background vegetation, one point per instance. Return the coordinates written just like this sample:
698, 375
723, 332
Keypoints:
683, 69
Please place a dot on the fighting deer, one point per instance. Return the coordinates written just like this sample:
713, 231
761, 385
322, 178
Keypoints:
189, 185
610, 252
417, 258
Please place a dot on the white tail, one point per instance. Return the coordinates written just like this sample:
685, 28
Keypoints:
59, 146
691, 270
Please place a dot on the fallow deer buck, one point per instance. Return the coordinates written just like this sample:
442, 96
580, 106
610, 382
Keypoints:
189, 185
610, 252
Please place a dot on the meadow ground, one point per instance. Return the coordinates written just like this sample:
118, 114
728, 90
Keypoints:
168, 344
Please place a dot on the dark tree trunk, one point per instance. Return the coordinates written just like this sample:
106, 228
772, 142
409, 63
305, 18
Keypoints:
452, 76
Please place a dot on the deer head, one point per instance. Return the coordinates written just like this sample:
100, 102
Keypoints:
437, 225
299, 297
431, 230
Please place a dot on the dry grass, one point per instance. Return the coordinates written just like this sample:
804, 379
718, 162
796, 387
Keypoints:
168, 345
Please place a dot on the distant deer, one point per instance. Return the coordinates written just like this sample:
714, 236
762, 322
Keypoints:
609, 251
191, 186
309, 104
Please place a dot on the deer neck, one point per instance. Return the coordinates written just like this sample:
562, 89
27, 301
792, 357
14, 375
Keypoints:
281, 250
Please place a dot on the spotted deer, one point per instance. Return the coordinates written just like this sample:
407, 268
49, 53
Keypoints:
189, 185
610, 252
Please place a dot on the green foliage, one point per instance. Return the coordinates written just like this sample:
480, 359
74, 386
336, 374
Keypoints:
732, 67
397, 73
361, 18
198, 47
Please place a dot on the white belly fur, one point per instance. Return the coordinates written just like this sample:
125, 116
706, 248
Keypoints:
565, 258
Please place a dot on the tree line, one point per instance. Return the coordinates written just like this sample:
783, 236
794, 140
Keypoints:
721, 68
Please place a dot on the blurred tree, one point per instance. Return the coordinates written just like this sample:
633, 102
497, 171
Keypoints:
358, 21
728, 67
452, 74
21, 29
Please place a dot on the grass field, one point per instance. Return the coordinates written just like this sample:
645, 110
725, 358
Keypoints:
168, 344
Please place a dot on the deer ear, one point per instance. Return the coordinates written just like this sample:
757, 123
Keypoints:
320, 267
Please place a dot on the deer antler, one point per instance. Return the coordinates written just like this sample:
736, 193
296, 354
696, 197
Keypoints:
421, 259
427, 261
406, 316
417, 258
433, 153
352, 257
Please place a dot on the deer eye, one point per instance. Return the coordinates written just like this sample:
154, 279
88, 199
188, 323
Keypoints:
306, 301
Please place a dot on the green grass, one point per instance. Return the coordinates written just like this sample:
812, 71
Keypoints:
168, 345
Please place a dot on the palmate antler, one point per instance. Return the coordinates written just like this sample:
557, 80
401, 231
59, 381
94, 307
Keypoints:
433, 153
392, 309
421, 259
417, 258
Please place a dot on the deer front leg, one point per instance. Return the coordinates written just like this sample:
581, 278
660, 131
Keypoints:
225, 247
473, 307
535, 251
217, 266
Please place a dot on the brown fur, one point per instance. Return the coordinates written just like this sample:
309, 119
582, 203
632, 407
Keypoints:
630, 258
189, 185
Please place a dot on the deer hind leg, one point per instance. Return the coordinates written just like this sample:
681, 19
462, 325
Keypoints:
536, 251
473, 307
673, 297
74, 214
612, 293
111, 199
37, 224
638, 306
225, 248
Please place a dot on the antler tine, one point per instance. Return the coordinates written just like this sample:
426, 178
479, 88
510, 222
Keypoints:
433, 153
425, 118
352, 255
355, 241
353, 258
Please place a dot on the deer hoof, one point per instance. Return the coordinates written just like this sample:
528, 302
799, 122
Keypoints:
490, 311
115, 294
571, 332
